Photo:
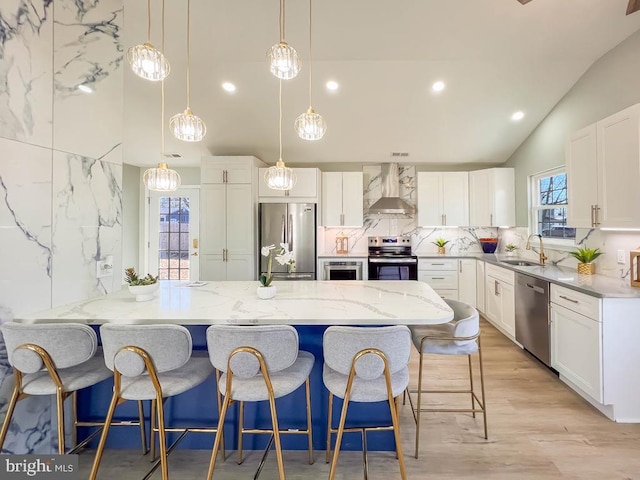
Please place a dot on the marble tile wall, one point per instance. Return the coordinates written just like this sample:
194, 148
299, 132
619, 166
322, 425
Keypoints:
60, 170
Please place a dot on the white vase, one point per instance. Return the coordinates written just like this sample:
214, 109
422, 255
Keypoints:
144, 292
266, 293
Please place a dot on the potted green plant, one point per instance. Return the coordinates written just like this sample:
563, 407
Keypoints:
585, 257
440, 243
143, 288
510, 248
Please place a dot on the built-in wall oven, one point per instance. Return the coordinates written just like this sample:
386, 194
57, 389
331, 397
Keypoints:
390, 259
349, 270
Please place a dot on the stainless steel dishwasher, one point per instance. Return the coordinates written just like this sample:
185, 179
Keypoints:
532, 316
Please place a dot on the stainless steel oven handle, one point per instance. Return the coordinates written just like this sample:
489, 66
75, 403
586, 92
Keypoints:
392, 261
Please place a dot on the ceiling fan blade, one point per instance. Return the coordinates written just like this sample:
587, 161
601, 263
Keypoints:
634, 6
524, 2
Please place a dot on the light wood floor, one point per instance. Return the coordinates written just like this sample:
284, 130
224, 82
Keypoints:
538, 429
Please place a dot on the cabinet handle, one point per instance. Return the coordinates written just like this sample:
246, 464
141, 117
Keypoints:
569, 299
460, 262
224, 176
597, 216
495, 288
437, 278
442, 219
491, 219
593, 221
445, 219
341, 219
437, 264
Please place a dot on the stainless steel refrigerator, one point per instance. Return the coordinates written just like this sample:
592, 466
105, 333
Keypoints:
295, 225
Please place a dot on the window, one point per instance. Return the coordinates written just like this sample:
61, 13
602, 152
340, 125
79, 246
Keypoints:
549, 205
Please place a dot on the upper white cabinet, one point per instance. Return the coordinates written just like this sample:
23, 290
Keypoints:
228, 208
603, 172
342, 199
305, 189
492, 200
443, 199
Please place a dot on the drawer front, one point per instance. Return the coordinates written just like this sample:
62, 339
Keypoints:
503, 274
440, 280
576, 301
448, 294
437, 264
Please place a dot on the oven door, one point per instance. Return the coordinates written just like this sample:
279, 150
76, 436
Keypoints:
393, 269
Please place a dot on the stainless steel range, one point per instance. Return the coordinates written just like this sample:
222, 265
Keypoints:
390, 258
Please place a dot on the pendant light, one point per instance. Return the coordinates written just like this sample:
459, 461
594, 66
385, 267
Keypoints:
280, 177
186, 126
282, 58
145, 60
161, 178
310, 125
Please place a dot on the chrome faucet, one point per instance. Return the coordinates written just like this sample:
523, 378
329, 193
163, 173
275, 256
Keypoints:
543, 257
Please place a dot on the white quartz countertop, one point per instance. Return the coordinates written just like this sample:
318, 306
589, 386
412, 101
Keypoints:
296, 303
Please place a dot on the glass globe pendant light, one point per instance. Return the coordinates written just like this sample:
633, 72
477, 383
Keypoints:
147, 61
310, 125
161, 178
280, 177
282, 58
186, 126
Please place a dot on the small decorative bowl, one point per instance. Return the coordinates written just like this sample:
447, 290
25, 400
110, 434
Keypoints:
144, 292
489, 245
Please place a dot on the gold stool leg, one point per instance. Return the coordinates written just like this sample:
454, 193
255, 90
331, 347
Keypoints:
276, 435
343, 417
143, 429
103, 437
396, 433
7, 419
152, 420
309, 426
473, 400
240, 429
164, 467
219, 398
60, 408
484, 401
216, 444
74, 415
419, 404
329, 413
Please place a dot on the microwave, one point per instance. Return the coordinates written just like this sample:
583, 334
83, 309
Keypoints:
338, 270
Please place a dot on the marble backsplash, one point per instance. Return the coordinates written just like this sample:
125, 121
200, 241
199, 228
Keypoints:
60, 171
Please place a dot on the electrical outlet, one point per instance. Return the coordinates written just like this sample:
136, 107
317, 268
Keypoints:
622, 257
104, 267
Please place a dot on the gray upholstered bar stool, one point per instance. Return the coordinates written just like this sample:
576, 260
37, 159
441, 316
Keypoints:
461, 336
365, 365
57, 359
260, 363
151, 362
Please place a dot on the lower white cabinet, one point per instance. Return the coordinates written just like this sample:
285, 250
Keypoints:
500, 306
576, 349
451, 278
480, 284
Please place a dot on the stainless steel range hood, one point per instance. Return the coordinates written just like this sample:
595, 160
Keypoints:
390, 203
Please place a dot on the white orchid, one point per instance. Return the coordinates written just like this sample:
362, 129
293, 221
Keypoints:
282, 255
266, 251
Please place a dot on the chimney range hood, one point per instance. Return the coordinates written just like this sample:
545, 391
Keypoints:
390, 203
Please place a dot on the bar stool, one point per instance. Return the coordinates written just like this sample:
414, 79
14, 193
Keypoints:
151, 362
57, 359
461, 336
365, 365
260, 363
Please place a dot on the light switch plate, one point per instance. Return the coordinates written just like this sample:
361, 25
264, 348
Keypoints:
621, 257
104, 267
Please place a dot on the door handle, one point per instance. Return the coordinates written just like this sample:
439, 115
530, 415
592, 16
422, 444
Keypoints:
535, 289
283, 237
496, 292
290, 233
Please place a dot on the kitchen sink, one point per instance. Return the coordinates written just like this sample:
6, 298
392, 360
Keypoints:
521, 263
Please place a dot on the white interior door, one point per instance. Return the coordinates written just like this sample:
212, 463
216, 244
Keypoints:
174, 220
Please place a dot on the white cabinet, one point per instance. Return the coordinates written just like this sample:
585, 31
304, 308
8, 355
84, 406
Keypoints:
480, 283
443, 198
467, 281
305, 189
603, 172
492, 197
451, 278
500, 299
228, 206
342, 199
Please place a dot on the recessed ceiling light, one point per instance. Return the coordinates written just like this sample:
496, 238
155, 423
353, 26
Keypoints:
332, 85
85, 89
229, 87
517, 116
438, 86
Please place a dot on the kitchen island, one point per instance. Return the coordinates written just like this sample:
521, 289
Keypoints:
310, 306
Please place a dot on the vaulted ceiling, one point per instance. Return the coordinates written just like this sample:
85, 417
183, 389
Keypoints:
495, 56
